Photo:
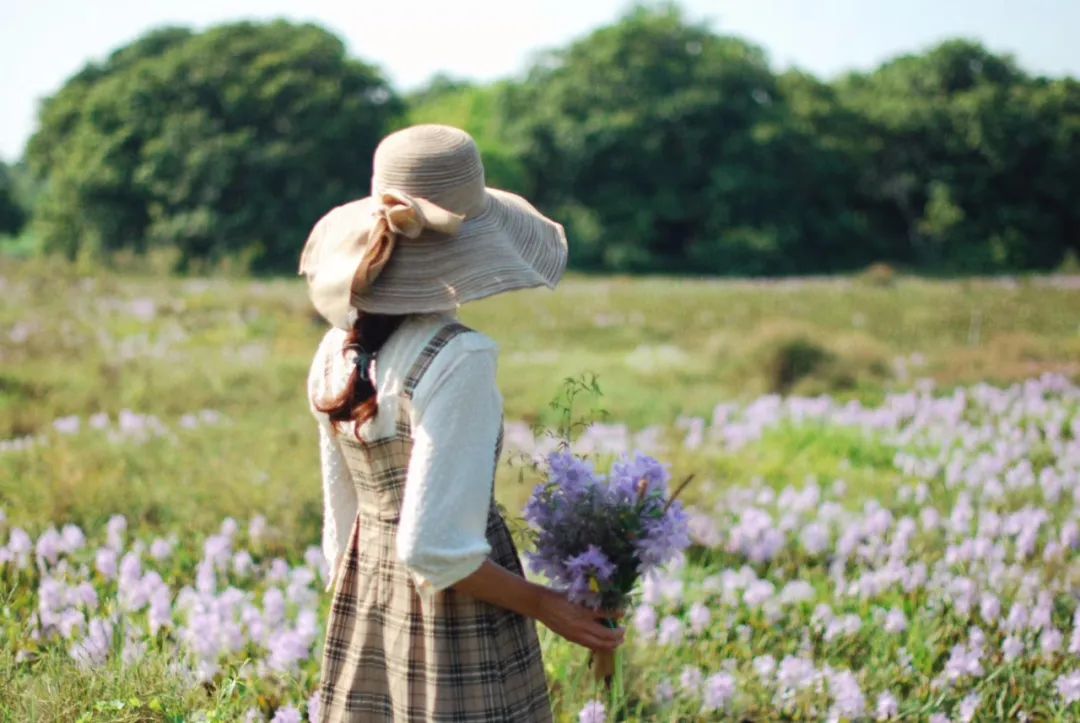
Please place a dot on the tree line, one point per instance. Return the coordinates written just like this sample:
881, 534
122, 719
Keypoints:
663, 145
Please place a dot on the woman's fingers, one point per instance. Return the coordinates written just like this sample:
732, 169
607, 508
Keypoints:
610, 614
586, 626
594, 635
612, 636
595, 643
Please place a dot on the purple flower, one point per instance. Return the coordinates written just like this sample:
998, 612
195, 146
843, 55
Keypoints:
845, 625
963, 660
288, 648
571, 474
49, 546
287, 714
278, 572
116, 528
1018, 618
638, 476
671, 631
593, 712
592, 533
795, 674
848, 700
19, 547
257, 529
273, 606
719, 689
316, 560
1050, 642
93, 650
797, 591
83, 594
1011, 648
1068, 687
161, 549
130, 568
242, 563
313, 706
67, 425
160, 612
229, 527
886, 707
105, 562
134, 648
587, 573
205, 578
71, 621
989, 608
968, 706
895, 622
758, 593
690, 680
699, 618
217, 549
764, 666
815, 538
1042, 613
73, 538
645, 621
664, 536
132, 592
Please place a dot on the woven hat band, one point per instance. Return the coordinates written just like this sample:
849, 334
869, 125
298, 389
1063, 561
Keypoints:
442, 165
398, 214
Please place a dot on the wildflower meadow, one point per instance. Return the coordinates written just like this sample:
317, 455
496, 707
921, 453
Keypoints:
883, 519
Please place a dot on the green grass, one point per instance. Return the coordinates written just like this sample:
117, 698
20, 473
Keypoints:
660, 348
71, 343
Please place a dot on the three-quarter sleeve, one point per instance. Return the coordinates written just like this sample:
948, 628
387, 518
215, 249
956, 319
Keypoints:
339, 494
456, 415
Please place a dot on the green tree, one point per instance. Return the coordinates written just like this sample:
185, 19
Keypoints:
225, 143
666, 146
969, 159
476, 109
12, 213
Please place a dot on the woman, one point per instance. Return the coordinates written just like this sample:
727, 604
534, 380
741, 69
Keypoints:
432, 618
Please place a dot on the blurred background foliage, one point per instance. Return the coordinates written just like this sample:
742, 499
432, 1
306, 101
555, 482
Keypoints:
663, 145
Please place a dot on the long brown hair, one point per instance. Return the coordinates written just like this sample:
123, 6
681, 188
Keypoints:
357, 402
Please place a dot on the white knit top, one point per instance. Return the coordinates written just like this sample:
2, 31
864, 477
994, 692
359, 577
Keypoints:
456, 414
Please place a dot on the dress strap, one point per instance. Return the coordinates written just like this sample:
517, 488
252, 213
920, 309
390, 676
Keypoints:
427, 355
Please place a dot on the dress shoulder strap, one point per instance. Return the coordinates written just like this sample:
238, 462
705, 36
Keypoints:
427, 355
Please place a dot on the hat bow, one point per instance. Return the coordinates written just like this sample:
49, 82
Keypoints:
399, 214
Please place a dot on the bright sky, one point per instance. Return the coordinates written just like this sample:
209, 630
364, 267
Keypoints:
42, 42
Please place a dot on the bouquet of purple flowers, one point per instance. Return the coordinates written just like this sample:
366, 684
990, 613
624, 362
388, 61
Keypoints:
595, 536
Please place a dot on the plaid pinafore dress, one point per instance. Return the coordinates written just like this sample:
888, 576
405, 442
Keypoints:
396, 651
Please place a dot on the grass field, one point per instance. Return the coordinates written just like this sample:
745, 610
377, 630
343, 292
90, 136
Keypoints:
842, 432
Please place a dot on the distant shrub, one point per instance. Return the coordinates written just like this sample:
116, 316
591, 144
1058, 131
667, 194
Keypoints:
1070, 263
878, 274
791, 358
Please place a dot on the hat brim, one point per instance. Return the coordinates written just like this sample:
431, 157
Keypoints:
508, 245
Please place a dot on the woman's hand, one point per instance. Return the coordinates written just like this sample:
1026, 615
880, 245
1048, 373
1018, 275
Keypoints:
578, 623
495, 584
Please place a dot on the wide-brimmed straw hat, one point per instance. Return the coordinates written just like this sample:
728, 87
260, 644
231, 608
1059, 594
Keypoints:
430, 237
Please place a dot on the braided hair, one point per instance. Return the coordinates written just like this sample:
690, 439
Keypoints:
357, 402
